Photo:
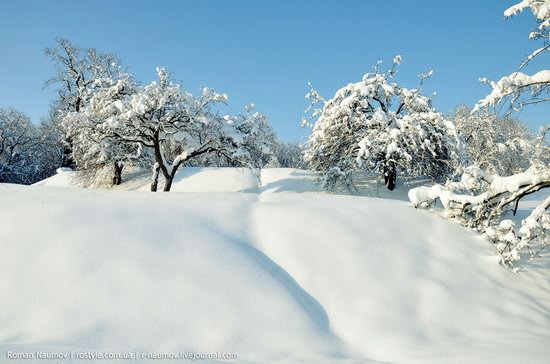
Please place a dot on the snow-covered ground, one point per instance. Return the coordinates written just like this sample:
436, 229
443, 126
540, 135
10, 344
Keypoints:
273, 271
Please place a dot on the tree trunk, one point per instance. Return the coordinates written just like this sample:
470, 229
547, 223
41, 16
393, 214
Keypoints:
155, 181
390, 175
169, 178
117, 178
68, 160
160, 166
168, 183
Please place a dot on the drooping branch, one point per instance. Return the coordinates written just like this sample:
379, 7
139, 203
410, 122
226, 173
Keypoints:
482, 211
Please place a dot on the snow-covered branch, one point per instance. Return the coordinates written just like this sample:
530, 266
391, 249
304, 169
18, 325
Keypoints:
482, 210
515, 86
521, 89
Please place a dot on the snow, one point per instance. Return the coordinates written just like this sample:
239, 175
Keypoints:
276, 277
63, 178
212, 179
540, 8
427, 194
497, 186
287, 180
398, 59
510, 84
203, 179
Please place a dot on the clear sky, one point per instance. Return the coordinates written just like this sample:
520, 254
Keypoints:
266, 51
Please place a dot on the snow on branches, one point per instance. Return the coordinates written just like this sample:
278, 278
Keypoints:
166, 122
379, 126
28, 152
519, 88
77, 73
94, 148
516, 86
532, 237
252, 134
480, 199
540, 9
497, 145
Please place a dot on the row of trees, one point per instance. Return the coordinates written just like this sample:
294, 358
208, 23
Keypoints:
103, 120
109, 119
28, 152
381, 127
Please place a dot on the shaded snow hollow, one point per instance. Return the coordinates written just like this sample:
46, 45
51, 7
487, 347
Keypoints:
272, 276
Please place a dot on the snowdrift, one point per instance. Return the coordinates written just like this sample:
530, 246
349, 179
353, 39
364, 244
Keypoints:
209, 179
275, 277
190, 179
64, 177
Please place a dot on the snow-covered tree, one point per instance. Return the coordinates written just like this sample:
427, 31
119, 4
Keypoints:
289, 154
50, 145
168, 121
273, 163
533, 235
17, 138
502, 146
95, 149
380, 126
257, 142
481, 199
520, 89
76, 71
541, 156
28, 153
258, 137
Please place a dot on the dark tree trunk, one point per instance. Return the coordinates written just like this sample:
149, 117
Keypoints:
68, 160
160, 163
168, 183
155, 182
390, 175
170, 172
117, 178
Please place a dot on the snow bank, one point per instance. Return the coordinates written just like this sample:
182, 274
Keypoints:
272, 276
203, 179
288, 180
190, 179
399, 285
209, 179
63, 178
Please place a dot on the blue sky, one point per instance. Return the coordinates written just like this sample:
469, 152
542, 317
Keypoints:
266, 51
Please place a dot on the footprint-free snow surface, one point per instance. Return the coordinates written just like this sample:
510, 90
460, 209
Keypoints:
275, 273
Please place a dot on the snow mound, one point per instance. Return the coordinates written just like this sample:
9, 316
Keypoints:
62, 178
213, 179
189, 179
201, 179
288, 180
275, 277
